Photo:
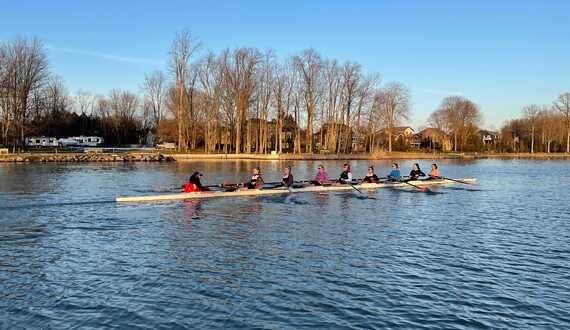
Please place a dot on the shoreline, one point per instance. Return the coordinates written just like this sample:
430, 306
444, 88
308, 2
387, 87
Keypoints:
35, 157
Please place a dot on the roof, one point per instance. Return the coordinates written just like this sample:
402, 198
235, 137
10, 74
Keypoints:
432, 132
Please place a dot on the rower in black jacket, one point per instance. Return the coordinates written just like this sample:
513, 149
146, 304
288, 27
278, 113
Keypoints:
287, 177
416, 173
370, 177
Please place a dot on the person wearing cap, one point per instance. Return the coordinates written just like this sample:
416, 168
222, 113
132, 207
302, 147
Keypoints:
256, 181
345, 175
194, 184
287, 177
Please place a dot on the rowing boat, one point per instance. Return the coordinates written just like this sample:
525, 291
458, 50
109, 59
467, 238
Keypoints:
284, 190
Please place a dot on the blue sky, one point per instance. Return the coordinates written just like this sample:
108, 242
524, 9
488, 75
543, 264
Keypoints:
501, 54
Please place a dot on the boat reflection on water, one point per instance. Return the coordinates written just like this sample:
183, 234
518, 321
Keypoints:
192, 209
322, 200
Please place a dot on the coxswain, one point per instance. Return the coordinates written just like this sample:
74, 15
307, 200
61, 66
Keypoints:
345, 176
395, 174
256, 181
370, 177
287, 177
434, 174
416, 172
194, 184
322, 177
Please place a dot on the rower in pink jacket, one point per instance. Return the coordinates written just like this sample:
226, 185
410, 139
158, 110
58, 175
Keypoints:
321, 177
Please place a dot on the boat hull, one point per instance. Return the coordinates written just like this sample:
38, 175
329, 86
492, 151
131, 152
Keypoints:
281, 190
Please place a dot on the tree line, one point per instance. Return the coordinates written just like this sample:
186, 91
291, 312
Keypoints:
244, 100
541, 128
237, 100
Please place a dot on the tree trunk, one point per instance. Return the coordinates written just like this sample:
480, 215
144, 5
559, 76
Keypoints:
568, 140
532, 141
455, 141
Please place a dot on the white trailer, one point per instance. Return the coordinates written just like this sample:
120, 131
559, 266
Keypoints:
39, 142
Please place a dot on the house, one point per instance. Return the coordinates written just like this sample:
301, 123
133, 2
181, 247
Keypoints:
405, 131
401, 137
333, 137
433, 139
489, 137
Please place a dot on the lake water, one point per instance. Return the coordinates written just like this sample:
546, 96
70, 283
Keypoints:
496, 255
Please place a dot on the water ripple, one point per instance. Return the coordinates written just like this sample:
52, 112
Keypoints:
489, 256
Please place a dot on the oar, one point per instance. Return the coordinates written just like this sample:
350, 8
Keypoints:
459, 181
353, 187
422, 189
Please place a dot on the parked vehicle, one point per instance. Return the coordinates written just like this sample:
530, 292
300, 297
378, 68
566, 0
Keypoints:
68, 142
38, 142
166, 146
75, 141
88, 141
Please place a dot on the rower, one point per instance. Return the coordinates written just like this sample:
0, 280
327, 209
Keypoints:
416, 172
256, 181
345, 176
322, 177
395, 174
370, 177
194, 184
287, 177
434, 174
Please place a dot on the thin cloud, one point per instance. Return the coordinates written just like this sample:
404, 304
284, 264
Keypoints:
108, 57
433, 91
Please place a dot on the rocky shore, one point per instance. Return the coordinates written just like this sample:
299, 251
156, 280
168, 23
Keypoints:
182, 157
85, 157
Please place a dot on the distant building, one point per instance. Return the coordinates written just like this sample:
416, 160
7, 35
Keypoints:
401, 138
432, 138
405, 132
489, 137
341, 137
289, 129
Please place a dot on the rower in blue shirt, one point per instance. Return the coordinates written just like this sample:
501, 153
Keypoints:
395, 174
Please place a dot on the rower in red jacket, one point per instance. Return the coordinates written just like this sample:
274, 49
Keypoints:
194, 184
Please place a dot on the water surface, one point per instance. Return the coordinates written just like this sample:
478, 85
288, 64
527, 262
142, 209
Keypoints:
495, 255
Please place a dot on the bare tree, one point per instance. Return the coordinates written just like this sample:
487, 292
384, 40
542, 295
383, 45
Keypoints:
210, 76
239, 74
154, 88
531, 113
332, 102
393, 103
562, 104
364, 98
265, 81
461, 117
283, 95
123, 106
84, 104
309, 65
183, 48
351, 76
25, 70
